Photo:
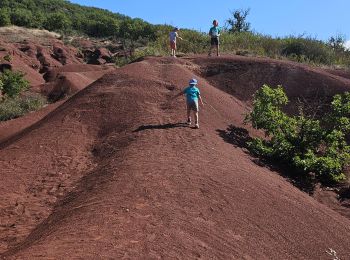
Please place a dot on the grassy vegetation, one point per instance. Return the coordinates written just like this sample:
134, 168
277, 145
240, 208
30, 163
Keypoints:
72, 19
300, 49
13, 102
11, 108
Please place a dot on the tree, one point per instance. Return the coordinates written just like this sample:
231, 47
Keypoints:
4, 3
102, 27
21, 17
5, 18
337, 43
38, 19
57, 22
134, 31
238, 23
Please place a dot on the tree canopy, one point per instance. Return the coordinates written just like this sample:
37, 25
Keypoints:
63, 16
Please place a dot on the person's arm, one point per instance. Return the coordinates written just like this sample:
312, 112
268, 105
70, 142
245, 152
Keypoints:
178, 94
177, 35
200, 99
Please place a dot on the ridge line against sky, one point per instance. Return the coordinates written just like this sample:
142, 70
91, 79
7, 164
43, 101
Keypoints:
319, 19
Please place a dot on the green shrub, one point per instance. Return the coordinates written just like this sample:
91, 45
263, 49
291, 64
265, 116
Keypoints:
21, 17
57, 22
11, 108
303, 143
13, 83
137, 54
5, 18
194, 42
307, 50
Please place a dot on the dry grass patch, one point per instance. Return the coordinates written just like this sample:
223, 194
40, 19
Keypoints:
18, 34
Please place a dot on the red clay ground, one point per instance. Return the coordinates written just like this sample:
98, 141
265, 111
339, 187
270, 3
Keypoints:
113, 173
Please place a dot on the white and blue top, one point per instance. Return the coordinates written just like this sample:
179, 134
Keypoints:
172, 36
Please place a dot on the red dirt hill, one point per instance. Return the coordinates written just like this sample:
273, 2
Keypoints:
113, 173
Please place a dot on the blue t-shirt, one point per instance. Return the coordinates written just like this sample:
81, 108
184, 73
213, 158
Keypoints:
192, 93
215, 31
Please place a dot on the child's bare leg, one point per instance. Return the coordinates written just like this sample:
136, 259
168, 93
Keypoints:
196, 117
188, 115
217, 50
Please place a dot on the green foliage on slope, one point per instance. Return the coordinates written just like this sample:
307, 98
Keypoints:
13, 103
304, 143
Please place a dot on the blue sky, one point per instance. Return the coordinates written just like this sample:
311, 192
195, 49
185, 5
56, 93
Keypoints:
316, 18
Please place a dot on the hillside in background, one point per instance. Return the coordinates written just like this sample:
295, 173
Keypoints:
72, 19
61, 15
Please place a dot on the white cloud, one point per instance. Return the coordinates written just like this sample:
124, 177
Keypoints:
347, 44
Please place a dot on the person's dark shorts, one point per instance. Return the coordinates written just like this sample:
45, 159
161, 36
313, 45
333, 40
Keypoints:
214, 41
193, 105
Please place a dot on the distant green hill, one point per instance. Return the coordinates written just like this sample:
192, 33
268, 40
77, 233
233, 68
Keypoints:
63, 16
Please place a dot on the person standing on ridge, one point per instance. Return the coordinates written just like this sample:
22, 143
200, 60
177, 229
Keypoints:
192, 96
172, 39
214, 34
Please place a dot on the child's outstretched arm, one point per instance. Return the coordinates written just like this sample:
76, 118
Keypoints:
178, 94
201, 100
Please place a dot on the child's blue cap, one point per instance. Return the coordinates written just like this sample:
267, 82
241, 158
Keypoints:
193, 82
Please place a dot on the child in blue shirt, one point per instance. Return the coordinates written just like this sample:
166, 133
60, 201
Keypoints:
192, 96
214, 34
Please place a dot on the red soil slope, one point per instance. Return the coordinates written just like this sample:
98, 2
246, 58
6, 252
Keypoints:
69, 79
112, 173
61, 82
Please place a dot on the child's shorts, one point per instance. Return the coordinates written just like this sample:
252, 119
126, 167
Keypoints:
214, 41
193, 105
173, 45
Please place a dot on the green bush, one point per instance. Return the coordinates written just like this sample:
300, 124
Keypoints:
11, 108
22, 17
57, 22
103, 27
137, 54
303, 143
5, 18
13, 83
307, 50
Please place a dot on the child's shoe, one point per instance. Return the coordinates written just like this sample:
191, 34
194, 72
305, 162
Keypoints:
196, 126
188, 122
